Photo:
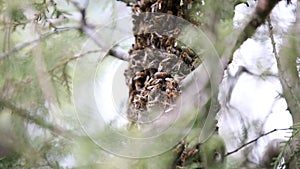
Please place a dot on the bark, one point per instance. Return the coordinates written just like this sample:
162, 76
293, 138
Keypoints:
287, 67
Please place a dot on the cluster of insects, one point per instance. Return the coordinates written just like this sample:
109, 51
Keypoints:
157, 60
187, 156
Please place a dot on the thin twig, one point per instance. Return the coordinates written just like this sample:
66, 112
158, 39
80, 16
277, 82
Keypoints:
31, 42
114, 51
63, 65
255, 140
270, 26
69, 59
90, 32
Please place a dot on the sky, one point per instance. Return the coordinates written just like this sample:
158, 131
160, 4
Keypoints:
255, 103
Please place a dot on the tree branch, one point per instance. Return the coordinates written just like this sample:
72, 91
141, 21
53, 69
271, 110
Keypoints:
114, 51
89, 31
199, 79
255, 140
262, 11
66, 61
34, 119
45, 82
233, 42
31, 42
287, 69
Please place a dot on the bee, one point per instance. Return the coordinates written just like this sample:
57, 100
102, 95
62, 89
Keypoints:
138, 85
157, 81
139, 41
169, 12
149, 87
171, 49
172, 84
196, 63
151, 71
180, 13
186, 58
188, 50
169, 41
176, 31
132, 94
139, 75
148, 82
161, 75
137, 104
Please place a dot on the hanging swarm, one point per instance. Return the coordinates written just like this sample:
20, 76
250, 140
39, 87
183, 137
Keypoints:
157, 61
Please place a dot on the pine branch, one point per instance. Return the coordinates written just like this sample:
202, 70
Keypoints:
84, 27
62, 67
57, 130
31, 42
290, 150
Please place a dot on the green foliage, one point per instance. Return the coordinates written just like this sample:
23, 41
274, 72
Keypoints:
213, 153
18, 15
47, 10
9, 161
19, 85
195, 12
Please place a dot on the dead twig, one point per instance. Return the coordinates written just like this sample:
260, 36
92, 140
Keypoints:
255, 140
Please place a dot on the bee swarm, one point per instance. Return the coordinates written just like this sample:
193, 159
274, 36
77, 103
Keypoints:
157, 61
